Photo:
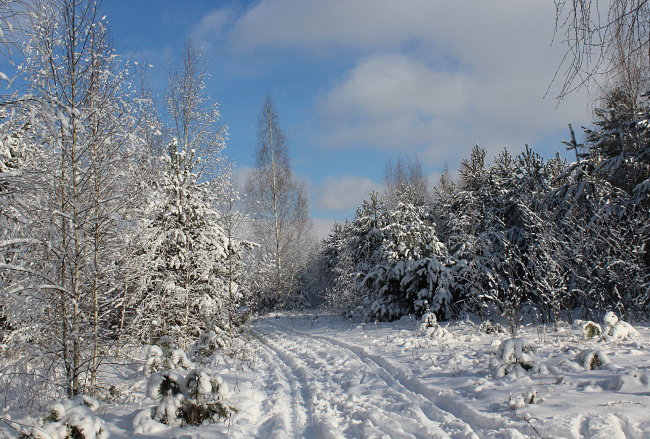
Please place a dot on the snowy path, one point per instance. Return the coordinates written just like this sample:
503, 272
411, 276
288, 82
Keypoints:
315, 376
332, 389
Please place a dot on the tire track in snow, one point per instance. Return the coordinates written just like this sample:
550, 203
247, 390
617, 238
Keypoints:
286, 390
440, 406
375, 406
317, 425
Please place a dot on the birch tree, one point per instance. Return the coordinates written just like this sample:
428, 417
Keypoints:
279, 211
610, 42
72, 189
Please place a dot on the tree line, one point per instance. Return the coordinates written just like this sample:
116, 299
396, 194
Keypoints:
518, 234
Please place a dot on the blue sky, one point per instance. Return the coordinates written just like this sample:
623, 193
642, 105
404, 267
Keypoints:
358, 81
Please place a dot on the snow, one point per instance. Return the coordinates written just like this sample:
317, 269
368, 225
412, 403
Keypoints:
319, 376
78, 413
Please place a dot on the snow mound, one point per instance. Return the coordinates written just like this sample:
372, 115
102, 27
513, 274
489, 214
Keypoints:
143, 423
630, 382
621, 331
71, 418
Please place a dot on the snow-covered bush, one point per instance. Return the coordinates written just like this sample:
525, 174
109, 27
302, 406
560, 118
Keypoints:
592, 359
609, 321
195, 399
207, 345
70, 419
490, 327
153, 359
438, 332
616, 329
514, 354
621, 331
164, 356
177, 358
589, 329
429, 320
612, 329
166, 384
521, 401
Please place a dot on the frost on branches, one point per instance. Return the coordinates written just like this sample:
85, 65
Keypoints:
187, 283
400, 265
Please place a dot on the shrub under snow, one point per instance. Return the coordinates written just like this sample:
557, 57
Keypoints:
612, 329
195, 399
520, 401
429, 320
621, 331
206, 349
514, 355
592, 359
589, 329
165, 356
70, 419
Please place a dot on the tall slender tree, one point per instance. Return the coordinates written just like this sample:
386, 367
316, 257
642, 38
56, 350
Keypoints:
279, 210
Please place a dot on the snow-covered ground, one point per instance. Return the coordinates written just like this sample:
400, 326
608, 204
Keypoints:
316, 376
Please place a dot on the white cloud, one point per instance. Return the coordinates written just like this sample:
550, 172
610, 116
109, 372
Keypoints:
425, 77
213, 26
322, 24
322, 227
342, 193
391, 101
385, 84
431, 77
493, 94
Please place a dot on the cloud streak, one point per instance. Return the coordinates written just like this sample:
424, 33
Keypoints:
340, 193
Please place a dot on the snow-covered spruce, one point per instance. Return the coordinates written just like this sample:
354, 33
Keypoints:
206, 349
164, 356
589, 329
513, 356
429, 320
429, 327
153, 359
593, 359
198, 398
70, 419
186, 284
616, 329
